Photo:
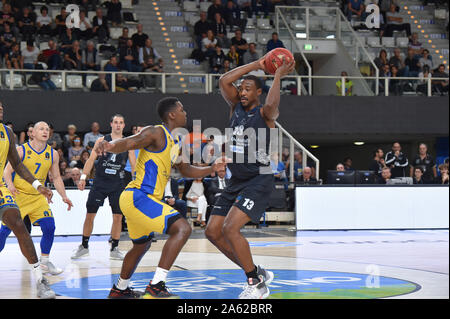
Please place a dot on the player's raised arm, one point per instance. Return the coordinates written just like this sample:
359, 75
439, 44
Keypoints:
270, 108
22, 171
229, 92
150, 137
57, 180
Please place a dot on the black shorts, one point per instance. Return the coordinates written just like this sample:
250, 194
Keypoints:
251, 196
97, 197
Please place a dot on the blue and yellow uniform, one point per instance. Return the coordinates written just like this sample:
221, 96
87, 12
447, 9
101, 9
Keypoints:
6, 198
140, 202
29, 200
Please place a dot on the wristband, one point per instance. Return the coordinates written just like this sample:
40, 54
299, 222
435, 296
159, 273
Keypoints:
36, 184
83, 177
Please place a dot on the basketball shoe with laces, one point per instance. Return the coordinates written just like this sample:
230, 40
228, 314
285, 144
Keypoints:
158, 291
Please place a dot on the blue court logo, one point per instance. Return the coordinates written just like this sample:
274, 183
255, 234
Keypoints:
228, 284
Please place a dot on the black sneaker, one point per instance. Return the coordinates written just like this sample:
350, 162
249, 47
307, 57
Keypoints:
128, 293
158, 291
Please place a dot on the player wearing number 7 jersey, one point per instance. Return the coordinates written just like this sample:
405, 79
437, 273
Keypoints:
40, 159
108, 182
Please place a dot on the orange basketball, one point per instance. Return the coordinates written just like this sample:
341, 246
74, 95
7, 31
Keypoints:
274, 59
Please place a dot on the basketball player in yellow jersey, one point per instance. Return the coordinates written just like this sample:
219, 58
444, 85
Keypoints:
40, 159
9, 211
141, 201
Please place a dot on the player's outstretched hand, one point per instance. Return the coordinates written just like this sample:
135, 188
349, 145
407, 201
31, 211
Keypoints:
102, 147
286, 67
68, 202
220, 163
46, 192
262, 63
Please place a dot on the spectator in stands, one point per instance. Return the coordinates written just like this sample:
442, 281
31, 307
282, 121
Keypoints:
240, 43
30, 55
215, 7
263, 5
67, 40
417, 176
93, 135
201, 27
54, 139
415, 45
14, 59
85, 30
100, 84
298, 164
441, 86
61, 155
74, 179
395, 85
396, 161
60, 22
27, 23
377, 164
123, 38
42, 78
426, 60
114, 13
245, 5
385, 72
340, 167
73, 58
443, 177
385, 176
63, 166
394, 22
412, 65
226, 66
196, 198
11, 126
74, 153
25, 135
111, 66
220, 30
100, 26
148, 52
426, 162
274, 43
306, 177
422, 86
129, 58
82, 161
90, 58
397, 60
44, 23
233, 57
356, 7
217, 185
348, 85
251, 55
232, 16
71, 133
381, 60
7, 38
150, 65
7, 16
348, 162
88, 5
171, 197
209, 44
139, 37
124, 84
216, 60
53, 56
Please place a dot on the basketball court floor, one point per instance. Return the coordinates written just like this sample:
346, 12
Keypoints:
307, 264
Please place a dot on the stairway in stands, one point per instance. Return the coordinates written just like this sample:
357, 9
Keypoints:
165, 24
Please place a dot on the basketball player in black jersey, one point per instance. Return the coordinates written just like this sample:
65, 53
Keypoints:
246, 196
109, 172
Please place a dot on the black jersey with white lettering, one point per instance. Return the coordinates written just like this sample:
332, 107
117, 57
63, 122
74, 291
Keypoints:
248, 144
109, 168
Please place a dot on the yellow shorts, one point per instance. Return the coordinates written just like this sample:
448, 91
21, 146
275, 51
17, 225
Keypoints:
35, 206
7, 200
146, 215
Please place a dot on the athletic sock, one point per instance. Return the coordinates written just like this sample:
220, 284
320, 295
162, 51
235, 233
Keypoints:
37, 271
85, 241
114, 243
160, 275
253, 274
45, 259
122, 284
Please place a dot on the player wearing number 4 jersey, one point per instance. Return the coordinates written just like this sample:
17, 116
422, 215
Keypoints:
9, 211
108, 182
246, 196
40, 159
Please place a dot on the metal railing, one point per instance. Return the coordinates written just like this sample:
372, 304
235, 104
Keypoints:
208, 81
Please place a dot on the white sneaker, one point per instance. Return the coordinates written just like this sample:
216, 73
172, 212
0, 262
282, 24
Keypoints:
268, 275
44, 291
255, 290
49, 268
80, 252
116, 254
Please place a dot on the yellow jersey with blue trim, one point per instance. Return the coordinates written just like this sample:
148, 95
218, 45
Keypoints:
4, 149
153, 168
38, 163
